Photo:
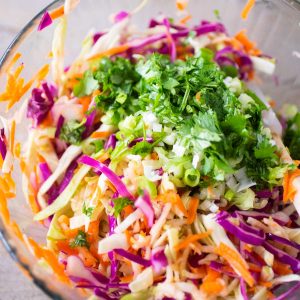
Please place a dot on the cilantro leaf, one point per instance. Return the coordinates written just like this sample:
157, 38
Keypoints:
86, 85
120, 203
80, 240
71, 132
88, 211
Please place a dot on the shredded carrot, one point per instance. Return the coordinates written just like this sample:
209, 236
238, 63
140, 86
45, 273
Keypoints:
181, 4
1, 162
4, 209
85, 102
110, 52
65, 247
103, 157
236, 262
17, 152
250, 47
50, 258
127, 210
174, 198
281, 269
48, 121
185, 19
10, 195
17, 231
4, 185
93, 230
33, 204
88, 259
58, 12
43, 72
15, 58
254, 267
192, 210
191, 239
267, 284
126, 279
10, 181
247, 8
100, 134
12, 136
211, 285
289, 191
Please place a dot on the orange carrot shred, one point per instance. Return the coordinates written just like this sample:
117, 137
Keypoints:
247, 8
85, 102
191, 239
289, 191
181, 4
50, 258
185, 19
192, 210
17, 231
13, 61
174, 198
100, 134
4, 209
236, 262
12, 136
250, 47
110, 52
58, 12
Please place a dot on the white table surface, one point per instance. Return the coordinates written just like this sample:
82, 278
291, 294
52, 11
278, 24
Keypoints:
14, 14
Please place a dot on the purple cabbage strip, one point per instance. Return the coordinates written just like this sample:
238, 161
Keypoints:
219, 267
145, 205
40, 103
243, 289
68, 176
45, 171
172, 42
194, 258
283, 257
135, 258
111, 142
3, 149
111, 176
158, 259
278, 217
112, 222
282, 241
288, 293
97, 36
103, 295
45, 21
59, 125
154, 23
138, 140
121, 16
89, 124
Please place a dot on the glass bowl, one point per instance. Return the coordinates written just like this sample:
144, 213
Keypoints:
274, 25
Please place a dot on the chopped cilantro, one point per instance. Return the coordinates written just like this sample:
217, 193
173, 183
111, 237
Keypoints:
71, 132
80, 240
86, 85
88, 211
120, 203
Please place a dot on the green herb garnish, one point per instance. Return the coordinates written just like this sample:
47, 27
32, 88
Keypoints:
80, 240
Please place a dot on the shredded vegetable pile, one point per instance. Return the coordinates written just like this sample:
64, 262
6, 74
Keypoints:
157, 164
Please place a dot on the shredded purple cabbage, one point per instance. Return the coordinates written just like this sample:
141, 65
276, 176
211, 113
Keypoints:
112, 177
45, 21
40, 103
59, 125
135, 258
3, 149
111, 142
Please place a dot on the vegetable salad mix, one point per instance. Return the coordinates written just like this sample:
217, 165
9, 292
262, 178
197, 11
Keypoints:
156, 163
